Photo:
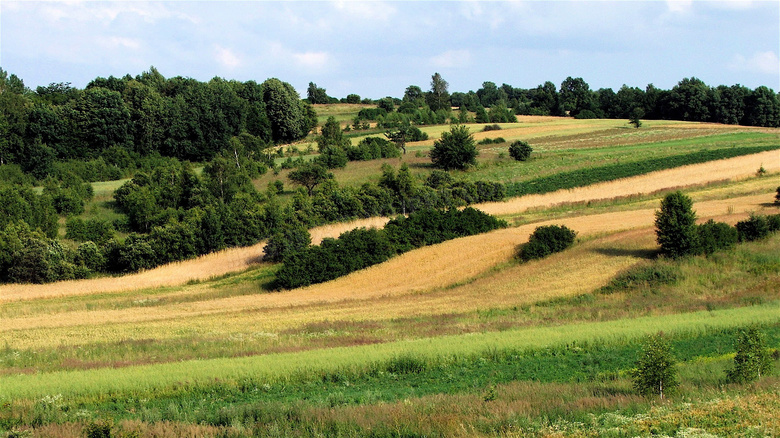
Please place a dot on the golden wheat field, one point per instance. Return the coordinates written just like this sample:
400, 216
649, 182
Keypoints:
455, 276
239, 259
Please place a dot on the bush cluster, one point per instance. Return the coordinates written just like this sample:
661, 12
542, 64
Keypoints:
360, 248
679, 235
372, 148
546, 240
497, 140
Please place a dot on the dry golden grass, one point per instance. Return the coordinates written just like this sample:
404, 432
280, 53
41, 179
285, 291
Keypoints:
172, 274
697, 174
238, 259
456, 276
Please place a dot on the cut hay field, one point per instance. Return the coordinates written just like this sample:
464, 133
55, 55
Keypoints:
454, 339
238, 259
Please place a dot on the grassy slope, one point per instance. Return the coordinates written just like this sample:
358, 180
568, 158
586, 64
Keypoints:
728, 282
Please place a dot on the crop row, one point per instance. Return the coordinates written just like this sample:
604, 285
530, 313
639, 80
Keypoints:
587, 176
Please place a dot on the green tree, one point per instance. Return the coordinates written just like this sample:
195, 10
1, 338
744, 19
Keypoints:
402, 134
287, 114
316, 94
438, 97
636, 116
100, 120
690, 100
655, 373
675, 224
455, 149
310, 175
520, 150
285, 242
752, 358
414, 95
576, 96
332, 135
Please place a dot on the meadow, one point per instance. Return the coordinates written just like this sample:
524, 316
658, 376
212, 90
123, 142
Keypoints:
454, 339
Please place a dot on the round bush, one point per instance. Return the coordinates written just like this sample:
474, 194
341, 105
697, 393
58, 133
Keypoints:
547, 240
520, 150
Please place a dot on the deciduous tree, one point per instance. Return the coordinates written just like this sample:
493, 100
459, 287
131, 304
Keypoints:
455, 149
655, 373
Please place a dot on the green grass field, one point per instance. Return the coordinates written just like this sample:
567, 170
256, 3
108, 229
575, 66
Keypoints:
487, 354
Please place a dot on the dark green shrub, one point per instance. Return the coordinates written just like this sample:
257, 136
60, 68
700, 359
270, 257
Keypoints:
286, 242
757, 227
715, 236
547, 240
773, 221
777, 196
332, 157
371, 113
493, 127
520, 150
95, 230
89, 255
651, 275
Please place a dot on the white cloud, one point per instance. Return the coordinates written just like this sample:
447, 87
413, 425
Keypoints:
227, 57
733, 4
368, 11
760, 62
451, 59
105, 12
318, 60
679, 6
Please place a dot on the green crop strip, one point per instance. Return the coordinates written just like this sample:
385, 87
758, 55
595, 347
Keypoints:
279, 368
584, 177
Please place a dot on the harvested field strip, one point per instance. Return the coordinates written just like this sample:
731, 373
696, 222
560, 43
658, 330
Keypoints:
697, 174
271, 312
611, 172
177, 273
556, 276
279, 367
238, 259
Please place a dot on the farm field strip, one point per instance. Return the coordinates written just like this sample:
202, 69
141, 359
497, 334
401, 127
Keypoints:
278, 367
238, 259
172, 274
518, 284
390, 294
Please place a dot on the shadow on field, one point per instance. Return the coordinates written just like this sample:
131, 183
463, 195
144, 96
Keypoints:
648, 254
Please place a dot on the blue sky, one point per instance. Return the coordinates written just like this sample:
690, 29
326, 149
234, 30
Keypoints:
376, 49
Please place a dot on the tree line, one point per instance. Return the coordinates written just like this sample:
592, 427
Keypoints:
690, 100
145, 115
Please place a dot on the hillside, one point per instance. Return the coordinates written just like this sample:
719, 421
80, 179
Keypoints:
453, 339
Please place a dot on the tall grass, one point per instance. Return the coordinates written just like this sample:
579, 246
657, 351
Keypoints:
280, 367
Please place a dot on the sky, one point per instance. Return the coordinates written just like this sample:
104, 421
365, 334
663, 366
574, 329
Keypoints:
376, 49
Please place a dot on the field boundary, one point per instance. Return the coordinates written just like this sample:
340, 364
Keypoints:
274, 368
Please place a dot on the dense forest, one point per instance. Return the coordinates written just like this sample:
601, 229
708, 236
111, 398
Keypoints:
152, 129
190, 120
